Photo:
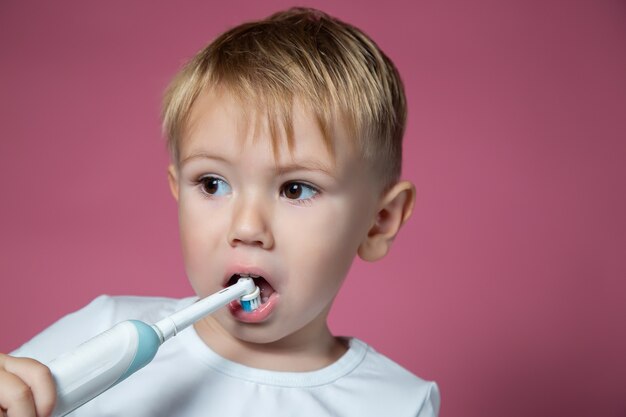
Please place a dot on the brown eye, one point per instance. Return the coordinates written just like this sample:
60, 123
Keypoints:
293, 190
214, 186
299, 191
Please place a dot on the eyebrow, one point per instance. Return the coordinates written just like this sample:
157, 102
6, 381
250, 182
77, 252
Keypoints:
302, 165
201, 155
305, 165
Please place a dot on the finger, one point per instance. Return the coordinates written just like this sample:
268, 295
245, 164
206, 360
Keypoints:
16, 398
38, 377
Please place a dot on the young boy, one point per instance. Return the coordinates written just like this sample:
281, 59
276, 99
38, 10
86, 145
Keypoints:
285, 137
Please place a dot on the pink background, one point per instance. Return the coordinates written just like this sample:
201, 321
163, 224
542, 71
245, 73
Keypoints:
507, 287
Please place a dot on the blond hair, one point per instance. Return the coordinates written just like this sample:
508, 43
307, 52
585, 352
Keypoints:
302, 54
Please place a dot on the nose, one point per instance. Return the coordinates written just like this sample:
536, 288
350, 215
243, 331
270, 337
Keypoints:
250, 224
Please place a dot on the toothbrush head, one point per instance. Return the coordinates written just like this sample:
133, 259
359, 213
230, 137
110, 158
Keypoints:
252, 301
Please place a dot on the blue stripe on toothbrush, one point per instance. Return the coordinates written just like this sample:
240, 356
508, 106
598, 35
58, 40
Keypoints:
250, 305
148, 345
247, 306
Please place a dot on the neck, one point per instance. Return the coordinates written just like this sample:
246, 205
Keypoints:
302, 352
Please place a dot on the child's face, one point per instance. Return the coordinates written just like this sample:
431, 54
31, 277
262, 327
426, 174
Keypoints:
296, 220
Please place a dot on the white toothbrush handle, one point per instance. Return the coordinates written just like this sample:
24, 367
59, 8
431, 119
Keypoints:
101, 362
112, 356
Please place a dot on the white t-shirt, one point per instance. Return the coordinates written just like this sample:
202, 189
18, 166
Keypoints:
186, 378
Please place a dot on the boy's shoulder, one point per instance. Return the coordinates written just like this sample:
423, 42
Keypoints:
105, 311
99, 315
114, 309
379, 365
392, 383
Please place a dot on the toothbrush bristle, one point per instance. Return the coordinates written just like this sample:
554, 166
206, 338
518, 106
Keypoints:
251, 302
251, 305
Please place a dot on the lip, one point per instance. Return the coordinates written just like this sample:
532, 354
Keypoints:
250, 270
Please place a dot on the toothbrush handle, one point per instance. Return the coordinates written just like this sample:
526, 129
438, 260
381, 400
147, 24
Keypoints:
101, 362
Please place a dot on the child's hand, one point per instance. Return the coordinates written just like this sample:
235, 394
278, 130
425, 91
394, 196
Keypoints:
26, 387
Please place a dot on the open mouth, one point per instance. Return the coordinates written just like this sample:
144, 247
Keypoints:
266, 289
269, 300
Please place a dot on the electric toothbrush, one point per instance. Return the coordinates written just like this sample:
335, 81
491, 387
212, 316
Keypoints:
112, 356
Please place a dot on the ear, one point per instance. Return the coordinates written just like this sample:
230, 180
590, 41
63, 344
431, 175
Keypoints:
172, 177
395, 208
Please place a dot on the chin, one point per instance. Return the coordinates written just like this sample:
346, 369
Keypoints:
255, 333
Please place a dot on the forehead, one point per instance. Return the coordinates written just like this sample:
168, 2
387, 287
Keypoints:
222, 119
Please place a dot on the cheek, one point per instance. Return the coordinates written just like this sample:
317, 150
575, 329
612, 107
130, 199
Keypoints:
338, 230
322, 244
199, 242
190, 235
200, 222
